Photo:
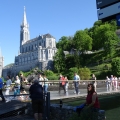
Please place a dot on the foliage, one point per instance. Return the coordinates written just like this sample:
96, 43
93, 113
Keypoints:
111, 41
48, 73
84, 73
82, 41
71, 72
116, 66
65, 43
59, 61
53, 77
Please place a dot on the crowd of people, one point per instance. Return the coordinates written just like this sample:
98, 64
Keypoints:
112, 83
40, 86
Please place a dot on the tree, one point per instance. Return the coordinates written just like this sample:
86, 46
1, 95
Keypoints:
116, 66
59, 61
84, 73
97, 32
71, 72
111, 42
82, 41
64, 43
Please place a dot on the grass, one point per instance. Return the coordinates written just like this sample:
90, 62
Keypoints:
113, 114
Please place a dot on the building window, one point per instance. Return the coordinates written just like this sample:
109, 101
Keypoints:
23, 50
29, 48
40, 44
44, 43
32, 47
49, 51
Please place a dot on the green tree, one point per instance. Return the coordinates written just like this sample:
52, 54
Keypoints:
59, 61
111, 42
97, 32
65, 43
71, 72
84, 73
82, 41
69, 61
116, 66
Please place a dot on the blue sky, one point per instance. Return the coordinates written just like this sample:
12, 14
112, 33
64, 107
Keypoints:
57, 17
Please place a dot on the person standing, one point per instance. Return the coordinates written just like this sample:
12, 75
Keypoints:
1, 87
112, 81
8, 84
108, 83
40, 79
17, 86
22, 84
61, 83
36, 95
76, 82
94, 82
67, 84
45, 84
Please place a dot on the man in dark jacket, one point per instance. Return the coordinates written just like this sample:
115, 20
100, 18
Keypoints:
1, 94
36, 94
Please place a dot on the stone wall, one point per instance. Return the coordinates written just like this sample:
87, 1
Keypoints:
64, 113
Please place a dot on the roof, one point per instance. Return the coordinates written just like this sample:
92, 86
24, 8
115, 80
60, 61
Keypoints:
40, 37
48, 36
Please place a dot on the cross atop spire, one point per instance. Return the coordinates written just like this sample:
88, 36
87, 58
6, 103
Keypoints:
24, 17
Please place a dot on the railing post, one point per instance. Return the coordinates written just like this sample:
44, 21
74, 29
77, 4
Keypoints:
48, 105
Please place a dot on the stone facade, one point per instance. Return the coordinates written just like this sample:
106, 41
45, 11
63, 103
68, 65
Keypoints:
37, 52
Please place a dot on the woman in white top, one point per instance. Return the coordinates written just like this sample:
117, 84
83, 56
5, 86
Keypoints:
17, 86
8, 84
108, 83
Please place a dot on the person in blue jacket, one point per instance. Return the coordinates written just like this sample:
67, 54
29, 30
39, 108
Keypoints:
1, 86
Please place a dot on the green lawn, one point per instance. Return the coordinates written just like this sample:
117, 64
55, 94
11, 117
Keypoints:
113, 114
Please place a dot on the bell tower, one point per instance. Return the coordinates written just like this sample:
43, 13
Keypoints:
24, 32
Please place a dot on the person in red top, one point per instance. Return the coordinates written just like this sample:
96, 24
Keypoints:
89, 110
92, 98
61, 83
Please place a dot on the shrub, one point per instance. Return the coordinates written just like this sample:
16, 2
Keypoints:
53, 77
48, 73
84, 73
116, 66
71, 72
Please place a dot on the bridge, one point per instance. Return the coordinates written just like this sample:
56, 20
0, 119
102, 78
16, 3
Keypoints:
17, 105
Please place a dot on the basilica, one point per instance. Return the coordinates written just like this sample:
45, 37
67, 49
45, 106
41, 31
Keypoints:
36, 52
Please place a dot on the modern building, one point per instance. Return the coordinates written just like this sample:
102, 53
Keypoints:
36, 52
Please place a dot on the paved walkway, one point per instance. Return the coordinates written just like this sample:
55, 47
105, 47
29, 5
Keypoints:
54, 95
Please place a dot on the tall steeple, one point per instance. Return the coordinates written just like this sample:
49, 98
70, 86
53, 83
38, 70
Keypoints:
24, 32
24, 17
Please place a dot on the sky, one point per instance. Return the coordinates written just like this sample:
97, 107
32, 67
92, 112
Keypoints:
57, 17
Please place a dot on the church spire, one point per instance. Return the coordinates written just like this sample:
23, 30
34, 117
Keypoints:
24, 32
24, 17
